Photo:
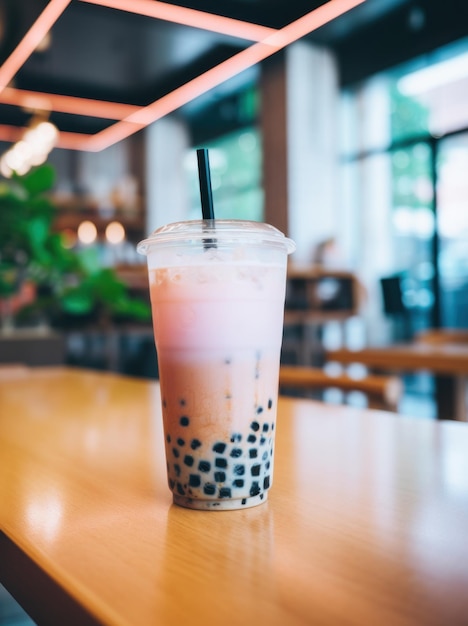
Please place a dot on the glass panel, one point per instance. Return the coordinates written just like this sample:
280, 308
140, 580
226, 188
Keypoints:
236, 173
452, 222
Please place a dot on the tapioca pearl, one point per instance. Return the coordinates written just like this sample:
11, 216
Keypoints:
236, 437
244, 501
225, 492
253, 453
254, 488
221, 462
265, 427
267, 465
219, 447
262, 495
270, 403
238, 483
195, 444
239, 470
273, 426
204, 466
194, 480
171, 484
255, 470
184, 421
209, 489
251, 438
188, 460
262, 441
266, 482
255, 426
220, 477
236, 453
177, 469
180, 489
180, 441
175, 452
168, 438
259, 410
265, 455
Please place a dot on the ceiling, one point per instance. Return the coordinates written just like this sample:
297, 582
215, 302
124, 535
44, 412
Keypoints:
147, 65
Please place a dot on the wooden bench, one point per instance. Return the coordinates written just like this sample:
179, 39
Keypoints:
382, 392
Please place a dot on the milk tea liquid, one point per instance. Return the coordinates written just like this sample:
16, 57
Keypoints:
218, 320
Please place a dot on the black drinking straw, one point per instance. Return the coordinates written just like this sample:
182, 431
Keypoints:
206, 193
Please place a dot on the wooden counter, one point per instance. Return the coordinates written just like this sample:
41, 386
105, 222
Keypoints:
366, 522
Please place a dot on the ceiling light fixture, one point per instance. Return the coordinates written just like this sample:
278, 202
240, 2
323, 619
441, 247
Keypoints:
131, 118
189, 17
31, 40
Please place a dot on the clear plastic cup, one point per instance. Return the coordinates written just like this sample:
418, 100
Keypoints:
217, 293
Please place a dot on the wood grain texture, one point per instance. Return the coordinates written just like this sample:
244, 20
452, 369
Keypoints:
365, 524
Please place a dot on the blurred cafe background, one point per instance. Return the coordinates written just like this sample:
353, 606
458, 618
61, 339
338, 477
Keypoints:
353, 140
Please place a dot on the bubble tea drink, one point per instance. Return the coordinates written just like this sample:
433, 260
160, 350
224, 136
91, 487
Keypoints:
217, 293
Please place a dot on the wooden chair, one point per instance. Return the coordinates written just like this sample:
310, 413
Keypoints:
443, 335
382, 392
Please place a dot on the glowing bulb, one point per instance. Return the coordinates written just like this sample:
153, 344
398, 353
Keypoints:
115, 232
87, 232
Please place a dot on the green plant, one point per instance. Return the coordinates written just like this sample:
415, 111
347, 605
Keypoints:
67, 282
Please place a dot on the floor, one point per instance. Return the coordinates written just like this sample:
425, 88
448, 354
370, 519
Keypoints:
11, 614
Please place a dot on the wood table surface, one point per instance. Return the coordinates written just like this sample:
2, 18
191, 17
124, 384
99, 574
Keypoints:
448, 362
366, 522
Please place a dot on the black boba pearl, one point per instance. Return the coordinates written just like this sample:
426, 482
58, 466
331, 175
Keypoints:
220, 462
238, 483
220, 477
204, 466
264, 456
180, 441
255, 470
171, 484
244, 501
262, 441
251, 438
188, 460
236, 437
270, 403
272, 427
239, 470
236, 453
255, 489
253, 453
196, 443
267, 464
259, 410
168, 438
219, 447
180, 489
194, 480
184, 421
164, 403
209, 489
177, 469
255, 426
265, 428
225, 492
266, 482
175, 452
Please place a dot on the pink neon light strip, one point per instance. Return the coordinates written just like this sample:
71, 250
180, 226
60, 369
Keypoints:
68, 141
31, 40
66, 104
189, 17
218, 74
